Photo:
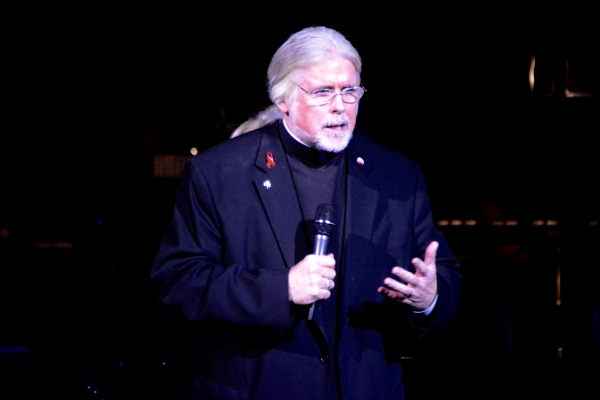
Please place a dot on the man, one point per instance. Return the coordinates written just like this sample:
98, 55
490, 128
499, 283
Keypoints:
272, 320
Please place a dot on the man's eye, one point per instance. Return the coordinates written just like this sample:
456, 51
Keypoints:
351, 91
322, 93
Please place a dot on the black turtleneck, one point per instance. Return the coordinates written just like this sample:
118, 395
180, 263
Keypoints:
319, 177
316, 175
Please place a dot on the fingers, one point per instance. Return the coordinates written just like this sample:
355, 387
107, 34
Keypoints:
430, 255
415, 289
327, 262
395, 295
396, 285
409, 295
426, 267
404, 275
312, 279
322, 266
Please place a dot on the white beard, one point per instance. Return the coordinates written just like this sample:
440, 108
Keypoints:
334, 143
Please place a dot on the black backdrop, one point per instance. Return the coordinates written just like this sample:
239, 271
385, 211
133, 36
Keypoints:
447, 86
94, 93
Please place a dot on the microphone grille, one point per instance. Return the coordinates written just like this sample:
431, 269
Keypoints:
324, 219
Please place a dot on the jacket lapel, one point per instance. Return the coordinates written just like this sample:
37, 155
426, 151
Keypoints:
361, 198
275, 187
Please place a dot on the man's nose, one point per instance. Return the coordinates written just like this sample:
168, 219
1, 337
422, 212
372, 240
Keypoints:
337, 104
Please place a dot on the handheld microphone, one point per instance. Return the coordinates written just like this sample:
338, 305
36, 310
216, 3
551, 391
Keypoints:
324, 225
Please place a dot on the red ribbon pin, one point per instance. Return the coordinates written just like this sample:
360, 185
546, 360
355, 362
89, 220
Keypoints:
270, 160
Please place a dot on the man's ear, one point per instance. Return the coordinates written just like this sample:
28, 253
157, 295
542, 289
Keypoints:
283, 107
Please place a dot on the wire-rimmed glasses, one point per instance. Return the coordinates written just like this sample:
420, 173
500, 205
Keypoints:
322, 97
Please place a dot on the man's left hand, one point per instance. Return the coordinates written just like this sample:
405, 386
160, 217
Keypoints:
419, 289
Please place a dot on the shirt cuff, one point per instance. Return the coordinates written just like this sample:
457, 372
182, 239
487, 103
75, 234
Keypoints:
429, 309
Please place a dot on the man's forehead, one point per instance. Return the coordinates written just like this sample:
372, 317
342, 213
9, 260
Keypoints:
337, 70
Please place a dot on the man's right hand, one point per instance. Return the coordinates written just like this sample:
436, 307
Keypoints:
308, 280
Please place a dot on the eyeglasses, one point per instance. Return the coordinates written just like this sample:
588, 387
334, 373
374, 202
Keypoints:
322, 97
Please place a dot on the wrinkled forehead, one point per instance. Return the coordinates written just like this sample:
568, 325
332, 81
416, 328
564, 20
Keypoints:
336, 70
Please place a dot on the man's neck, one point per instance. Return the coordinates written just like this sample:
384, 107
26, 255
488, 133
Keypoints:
291, 134
295, 148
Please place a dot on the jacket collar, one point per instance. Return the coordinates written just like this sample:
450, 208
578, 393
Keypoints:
275, 187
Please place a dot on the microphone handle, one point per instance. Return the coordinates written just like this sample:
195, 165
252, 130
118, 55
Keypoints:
321, 243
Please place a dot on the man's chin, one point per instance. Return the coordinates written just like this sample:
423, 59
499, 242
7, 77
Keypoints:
333, 144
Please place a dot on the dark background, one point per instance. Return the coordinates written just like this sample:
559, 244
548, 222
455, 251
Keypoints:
93, 94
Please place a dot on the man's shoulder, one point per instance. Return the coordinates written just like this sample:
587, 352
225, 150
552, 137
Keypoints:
239, 151
363, 145
248, 142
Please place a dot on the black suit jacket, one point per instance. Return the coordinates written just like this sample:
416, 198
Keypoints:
224, 264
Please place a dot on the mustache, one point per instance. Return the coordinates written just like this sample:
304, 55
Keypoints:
334, 120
